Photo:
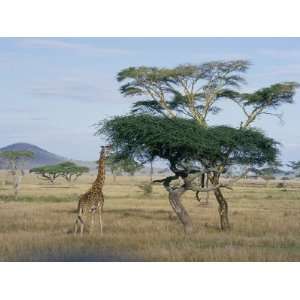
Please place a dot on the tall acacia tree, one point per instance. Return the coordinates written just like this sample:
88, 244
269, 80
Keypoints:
188, 90
192, 92
191, 151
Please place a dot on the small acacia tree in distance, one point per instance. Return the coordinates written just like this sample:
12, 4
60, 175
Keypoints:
15, 159
70, 171
49, 173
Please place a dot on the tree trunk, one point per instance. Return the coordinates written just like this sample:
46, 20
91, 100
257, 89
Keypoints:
223, 206
16, 184
151, 171
204, 184
223, 210
175, 201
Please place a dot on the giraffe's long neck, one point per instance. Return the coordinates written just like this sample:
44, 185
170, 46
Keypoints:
99, 182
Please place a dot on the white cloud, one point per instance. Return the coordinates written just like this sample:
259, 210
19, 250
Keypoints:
84, 48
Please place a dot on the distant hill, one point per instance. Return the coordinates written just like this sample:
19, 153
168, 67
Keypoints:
41, 156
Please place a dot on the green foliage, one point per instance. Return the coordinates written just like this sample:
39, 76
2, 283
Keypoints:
139, 77
68, 170
169, 120
271, 96
15, 157
188, 89
182, 140
193, 90
49, 173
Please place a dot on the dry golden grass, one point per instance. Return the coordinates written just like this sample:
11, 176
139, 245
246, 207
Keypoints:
265, 224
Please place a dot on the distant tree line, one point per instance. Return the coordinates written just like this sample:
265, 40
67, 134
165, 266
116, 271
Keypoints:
270, 171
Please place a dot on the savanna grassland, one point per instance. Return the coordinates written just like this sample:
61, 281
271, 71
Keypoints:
38, 227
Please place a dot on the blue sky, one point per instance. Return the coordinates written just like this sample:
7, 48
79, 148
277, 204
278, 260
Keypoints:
54, 89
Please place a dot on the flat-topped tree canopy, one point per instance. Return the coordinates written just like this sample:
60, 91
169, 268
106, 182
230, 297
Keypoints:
191, 89
182, 141
271, 96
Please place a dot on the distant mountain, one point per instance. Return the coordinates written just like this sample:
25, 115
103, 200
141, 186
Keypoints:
41, 157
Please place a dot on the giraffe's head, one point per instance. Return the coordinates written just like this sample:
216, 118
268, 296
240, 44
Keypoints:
105, 151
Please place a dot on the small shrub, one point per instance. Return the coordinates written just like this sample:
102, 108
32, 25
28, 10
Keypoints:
146, 187
281, 185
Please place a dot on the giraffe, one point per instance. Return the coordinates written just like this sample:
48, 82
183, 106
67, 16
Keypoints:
93, 200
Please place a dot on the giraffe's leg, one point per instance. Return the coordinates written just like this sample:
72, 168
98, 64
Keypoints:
207, 194
76, 226
77, 221
81, 225
92, 220
100, 220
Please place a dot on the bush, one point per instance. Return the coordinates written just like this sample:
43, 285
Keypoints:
281, 185
146, 187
